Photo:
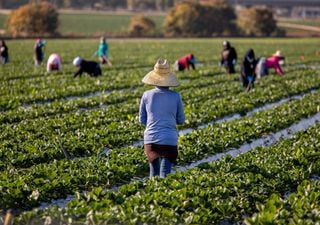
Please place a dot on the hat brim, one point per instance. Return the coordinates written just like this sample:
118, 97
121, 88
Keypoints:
153, 78
277, 53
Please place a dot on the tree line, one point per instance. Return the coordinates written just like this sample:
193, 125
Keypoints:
185, 19
79, 4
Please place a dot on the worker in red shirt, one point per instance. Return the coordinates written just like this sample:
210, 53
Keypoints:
185, 62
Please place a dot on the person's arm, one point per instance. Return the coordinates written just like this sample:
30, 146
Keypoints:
180, 112
143, 112
279, 70
193, 66
222, 59
78, 72
191, 63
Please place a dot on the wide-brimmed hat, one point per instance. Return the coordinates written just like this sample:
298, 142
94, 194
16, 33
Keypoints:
278, 53
161, 75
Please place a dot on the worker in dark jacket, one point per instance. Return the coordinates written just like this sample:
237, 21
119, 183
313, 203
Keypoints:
90, 67
4, 53
39, 51
248, 67
185, 62
228, 57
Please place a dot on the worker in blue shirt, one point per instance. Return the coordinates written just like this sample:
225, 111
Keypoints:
161, 109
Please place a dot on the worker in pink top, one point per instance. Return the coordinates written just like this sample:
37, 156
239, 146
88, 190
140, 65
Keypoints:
54, 62
274, 62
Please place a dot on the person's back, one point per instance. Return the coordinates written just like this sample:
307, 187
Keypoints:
274, 62
186, 61
164, 112
103, 49
90, 67
54, 62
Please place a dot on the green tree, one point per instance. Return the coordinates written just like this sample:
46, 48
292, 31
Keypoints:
141, 26
38, 19
258, 21
193, 19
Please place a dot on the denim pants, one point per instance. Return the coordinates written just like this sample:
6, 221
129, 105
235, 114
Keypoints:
160, 167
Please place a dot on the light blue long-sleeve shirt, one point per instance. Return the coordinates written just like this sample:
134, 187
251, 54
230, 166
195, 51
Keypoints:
161, 110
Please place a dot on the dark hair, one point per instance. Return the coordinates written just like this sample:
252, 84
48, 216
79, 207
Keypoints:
3, 43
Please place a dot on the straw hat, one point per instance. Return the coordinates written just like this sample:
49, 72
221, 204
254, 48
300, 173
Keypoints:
278, 53
161, 75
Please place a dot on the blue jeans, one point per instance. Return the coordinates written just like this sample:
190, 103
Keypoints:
160, 167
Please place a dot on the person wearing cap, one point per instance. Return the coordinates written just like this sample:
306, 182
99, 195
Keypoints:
90, 67
103, 52
248, 70
274, 62
185, 62
161, 109
228, 57
4, 52
54, 62
38, 51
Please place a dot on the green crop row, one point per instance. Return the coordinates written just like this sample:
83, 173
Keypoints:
302, 207
221, 192
84, 134
207, 86
201, 89
53, 88
23, 82
59, 178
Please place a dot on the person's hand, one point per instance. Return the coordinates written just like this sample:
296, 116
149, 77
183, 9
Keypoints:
234, 62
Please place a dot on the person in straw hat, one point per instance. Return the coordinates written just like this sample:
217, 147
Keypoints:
160, 111
274, 62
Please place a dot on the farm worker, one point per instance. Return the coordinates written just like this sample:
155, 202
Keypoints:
160, 111
248, 67
103, 52
38, 51
90, 67
274, 62
185, 62
228, 57
4, 53
261, 68
54, 62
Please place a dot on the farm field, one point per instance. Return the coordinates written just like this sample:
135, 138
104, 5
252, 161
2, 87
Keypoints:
88, 24
307, 22
54, 128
